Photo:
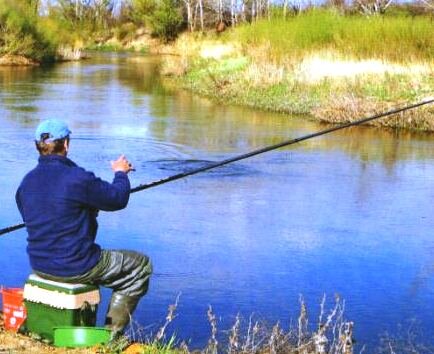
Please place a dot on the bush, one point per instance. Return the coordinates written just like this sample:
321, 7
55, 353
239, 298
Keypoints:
20, 34
166, 20
142, 11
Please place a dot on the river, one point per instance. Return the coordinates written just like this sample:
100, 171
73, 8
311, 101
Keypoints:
349, 213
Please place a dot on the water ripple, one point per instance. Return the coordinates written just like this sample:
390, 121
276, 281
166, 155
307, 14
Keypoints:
182, 166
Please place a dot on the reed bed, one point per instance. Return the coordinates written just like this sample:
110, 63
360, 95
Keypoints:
401, 39
333, 334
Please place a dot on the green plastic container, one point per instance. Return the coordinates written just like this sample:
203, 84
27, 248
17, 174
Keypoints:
50, 304
75, 337
42, 318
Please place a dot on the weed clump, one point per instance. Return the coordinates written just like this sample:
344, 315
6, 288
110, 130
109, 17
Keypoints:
332, 335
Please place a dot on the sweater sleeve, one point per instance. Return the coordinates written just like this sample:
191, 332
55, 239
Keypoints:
18, 201
107, 196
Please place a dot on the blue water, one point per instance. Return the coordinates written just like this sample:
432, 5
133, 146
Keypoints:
349, 213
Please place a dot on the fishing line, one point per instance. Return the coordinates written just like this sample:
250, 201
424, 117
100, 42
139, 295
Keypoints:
256, 152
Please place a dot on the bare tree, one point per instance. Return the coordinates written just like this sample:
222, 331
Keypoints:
243, 10
200, 2
428, 3
373, 7
253, 11
234, 12
189, 7
285, 8
268, 10
220, 11
258, 9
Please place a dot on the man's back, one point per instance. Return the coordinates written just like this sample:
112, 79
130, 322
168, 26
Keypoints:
59, 202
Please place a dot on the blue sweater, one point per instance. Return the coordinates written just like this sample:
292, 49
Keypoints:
59, 203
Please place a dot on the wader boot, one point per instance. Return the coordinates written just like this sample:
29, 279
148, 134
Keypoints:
119, 313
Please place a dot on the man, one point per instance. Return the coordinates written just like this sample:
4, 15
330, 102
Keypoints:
59, 203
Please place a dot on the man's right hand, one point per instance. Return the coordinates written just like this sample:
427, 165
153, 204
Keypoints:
122, 165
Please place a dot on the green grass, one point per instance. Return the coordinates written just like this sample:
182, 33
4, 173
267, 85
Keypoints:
394, 38
106, 47
225, 81
116, 47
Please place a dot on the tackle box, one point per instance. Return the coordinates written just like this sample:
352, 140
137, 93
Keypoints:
51, 304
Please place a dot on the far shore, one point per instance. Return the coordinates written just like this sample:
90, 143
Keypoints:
17, 60
63, 54
322, 85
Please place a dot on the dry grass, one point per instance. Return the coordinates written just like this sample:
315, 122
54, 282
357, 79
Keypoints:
330, 89
328, 64
348, 108
333, 336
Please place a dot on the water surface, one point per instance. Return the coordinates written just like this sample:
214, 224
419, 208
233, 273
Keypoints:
349, 213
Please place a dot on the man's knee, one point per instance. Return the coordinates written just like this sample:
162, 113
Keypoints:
143, 273
145, 267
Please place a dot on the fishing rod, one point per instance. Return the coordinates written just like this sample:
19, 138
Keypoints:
256, 152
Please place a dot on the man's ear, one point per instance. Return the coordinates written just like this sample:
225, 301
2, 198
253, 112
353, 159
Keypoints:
66, 145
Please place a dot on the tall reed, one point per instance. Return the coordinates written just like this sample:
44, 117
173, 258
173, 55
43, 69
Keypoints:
393, 38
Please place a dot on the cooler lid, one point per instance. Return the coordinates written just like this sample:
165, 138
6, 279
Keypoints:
68, 288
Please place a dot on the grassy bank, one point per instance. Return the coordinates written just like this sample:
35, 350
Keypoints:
333, 335
332, 67
394, 38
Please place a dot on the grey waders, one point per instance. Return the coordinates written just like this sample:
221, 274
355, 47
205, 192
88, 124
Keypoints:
119, 313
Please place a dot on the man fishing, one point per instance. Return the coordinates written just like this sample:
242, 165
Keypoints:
59, 202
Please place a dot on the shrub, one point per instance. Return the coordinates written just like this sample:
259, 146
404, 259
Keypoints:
125, 31
142, 11
166, 20
20, 34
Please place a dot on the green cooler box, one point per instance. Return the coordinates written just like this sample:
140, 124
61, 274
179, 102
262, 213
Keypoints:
51, 304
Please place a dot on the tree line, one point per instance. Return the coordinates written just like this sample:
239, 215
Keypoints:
199, 15
35, 28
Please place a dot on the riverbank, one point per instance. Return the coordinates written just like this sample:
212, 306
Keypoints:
62, 55
14, 343
334, 333
332, 78
137, 40
334, 98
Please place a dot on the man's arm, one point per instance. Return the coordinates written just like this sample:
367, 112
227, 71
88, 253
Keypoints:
18, 201
110, 196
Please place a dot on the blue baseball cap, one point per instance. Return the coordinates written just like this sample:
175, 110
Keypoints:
56, 129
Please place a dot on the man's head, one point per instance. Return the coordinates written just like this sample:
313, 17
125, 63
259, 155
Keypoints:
52, 137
